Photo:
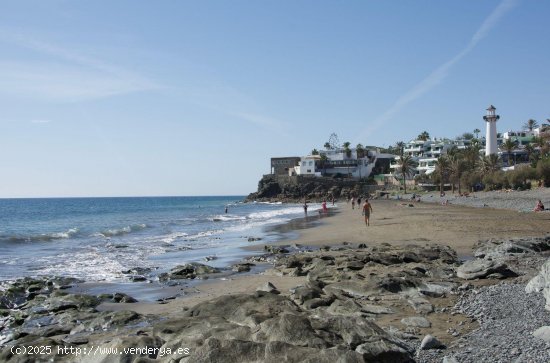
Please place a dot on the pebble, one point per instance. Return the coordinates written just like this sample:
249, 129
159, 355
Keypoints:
507, 317
522, 201
430, 342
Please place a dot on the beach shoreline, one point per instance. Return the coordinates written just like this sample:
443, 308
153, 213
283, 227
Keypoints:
401, 267
397, 222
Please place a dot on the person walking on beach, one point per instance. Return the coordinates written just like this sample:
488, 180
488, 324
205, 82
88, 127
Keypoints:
367, 210
305, 207
353, 203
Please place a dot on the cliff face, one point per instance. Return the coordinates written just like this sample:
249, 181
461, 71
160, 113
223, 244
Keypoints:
295, 189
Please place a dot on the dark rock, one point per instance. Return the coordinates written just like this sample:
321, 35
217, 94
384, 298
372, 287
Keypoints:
275, 249
119, 297
243, 267
301, 294
315, 303
137, 278
188, 271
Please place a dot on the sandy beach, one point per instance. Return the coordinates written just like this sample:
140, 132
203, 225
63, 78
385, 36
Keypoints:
398, 223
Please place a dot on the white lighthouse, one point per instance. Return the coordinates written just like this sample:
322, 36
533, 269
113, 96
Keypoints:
491, 132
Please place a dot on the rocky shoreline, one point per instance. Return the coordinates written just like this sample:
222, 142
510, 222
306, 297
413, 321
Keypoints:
358, 303
355, 302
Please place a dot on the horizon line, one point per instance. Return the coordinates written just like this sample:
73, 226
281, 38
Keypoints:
128, 196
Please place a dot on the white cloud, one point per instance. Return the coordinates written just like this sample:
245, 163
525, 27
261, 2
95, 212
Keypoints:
216, 95
39, 121
440, 73
66, 76
59, 82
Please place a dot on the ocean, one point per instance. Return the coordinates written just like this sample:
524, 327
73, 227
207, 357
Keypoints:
97, 239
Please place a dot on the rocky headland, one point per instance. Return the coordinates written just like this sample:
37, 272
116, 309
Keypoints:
273, 188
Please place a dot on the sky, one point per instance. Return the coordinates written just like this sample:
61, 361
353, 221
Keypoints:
161, 98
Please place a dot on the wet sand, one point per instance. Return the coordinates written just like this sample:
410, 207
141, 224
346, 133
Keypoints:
394, 222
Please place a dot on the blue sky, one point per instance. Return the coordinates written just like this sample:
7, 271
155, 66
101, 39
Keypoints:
122, 98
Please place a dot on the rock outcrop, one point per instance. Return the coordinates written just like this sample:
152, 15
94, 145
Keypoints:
274, 188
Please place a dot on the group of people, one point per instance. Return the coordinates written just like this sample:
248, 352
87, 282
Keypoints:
324, 208
365, 211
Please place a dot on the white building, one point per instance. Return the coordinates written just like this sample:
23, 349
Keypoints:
337, 161
306, 166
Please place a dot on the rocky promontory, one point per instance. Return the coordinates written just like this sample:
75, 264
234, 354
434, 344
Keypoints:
274, 188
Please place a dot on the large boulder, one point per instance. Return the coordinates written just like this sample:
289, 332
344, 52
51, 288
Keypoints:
541, 283
495, 248
481, 268
188, 271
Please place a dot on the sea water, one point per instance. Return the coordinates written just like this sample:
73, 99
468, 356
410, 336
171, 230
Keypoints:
97, 239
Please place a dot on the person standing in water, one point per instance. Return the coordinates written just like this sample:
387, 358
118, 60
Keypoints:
305, 207
367, 210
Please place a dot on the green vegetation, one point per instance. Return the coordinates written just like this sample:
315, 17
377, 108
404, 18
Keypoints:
406, 168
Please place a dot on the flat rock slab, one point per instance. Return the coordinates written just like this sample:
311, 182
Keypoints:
416, 321
480, 268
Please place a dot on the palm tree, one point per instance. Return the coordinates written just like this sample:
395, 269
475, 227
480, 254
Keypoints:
457, 166
490, 163
323, 162
347, 150
314, 152
406, 167
530, 124
360, 151
400, 145
530, 150
423, 136
509, 146
453, 151
442, 168
538, 141
471, 156
327, 146
477, 131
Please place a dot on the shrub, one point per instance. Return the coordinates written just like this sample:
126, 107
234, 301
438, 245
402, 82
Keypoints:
518, 178
470, 179
495, 180
543, 171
